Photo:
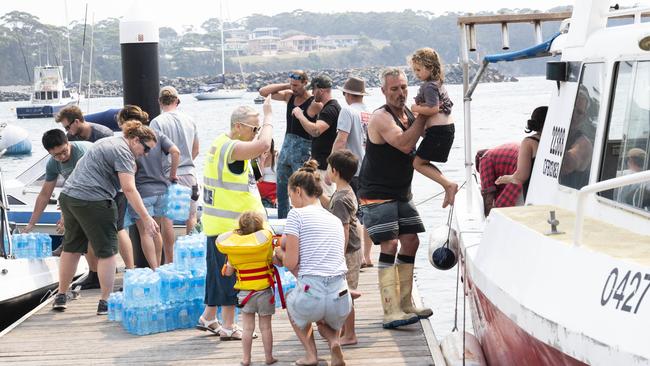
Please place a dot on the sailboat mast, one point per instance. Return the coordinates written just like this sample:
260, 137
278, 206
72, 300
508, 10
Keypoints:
223, 57
67, 28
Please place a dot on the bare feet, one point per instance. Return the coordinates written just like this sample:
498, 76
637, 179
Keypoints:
306, 362
355, 294
337, 355
271, 361
348, 341
450, 194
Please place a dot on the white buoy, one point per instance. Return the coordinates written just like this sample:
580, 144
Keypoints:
452, 349
15, 139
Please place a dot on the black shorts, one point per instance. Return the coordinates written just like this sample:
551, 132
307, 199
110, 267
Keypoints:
437, 143
388, 220
120, 201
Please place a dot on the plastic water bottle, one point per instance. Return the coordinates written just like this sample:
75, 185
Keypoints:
118, 306
178, 202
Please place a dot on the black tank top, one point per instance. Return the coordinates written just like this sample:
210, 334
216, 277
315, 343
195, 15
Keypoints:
532, 164
386, 172
293, 125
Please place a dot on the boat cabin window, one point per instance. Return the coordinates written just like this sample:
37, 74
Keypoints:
66, 94
628, 131
55, 94
42, 95
576, 160
49, 95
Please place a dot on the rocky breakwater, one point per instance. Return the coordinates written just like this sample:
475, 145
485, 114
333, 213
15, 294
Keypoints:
255, 80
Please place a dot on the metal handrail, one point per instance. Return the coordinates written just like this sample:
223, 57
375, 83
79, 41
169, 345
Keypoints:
617, 182
4, 218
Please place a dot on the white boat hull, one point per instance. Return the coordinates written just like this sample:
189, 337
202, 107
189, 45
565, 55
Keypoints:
221, 94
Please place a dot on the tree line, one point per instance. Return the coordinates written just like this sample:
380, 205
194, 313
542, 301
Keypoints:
25, 42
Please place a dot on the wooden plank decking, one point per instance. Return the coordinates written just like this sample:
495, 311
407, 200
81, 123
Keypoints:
78, 336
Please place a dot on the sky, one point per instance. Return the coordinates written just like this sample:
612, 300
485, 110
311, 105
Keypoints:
180, 13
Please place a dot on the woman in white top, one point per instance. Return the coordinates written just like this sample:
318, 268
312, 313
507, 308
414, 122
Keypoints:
314, 252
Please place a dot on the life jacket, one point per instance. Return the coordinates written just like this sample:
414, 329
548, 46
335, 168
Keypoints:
252, 257
226, 195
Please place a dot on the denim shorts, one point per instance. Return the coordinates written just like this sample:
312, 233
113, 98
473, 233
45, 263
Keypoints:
155, 206
318, 298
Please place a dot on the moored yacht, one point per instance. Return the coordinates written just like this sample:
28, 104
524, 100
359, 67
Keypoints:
49, 94
564, 279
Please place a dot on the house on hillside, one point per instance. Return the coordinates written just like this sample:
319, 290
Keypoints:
339, 41
237, 33
265, 32
264, 45
299, 43
235, 46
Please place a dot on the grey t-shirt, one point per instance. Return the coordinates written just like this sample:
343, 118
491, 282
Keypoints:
95, 177
353, 119
181, 129
431, 94
97, 132
344, 206
150, 179
65, 168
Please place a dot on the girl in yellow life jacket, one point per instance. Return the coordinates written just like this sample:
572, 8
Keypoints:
250, 255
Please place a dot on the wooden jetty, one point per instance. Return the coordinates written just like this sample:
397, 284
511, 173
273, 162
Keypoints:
79, 336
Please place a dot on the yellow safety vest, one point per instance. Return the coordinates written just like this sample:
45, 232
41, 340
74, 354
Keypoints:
226, 195
252, 257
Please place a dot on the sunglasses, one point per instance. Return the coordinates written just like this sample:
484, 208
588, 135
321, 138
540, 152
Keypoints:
67, 127
145, 147
295, 76
255, 128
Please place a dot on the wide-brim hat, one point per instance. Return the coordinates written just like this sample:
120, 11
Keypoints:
355, 86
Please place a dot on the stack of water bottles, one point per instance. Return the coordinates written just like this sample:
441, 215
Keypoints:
288, 282
167, 299
178, 202
32, 245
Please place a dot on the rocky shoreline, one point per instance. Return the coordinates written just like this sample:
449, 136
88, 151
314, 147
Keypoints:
255, 80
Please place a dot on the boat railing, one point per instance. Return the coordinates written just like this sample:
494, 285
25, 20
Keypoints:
584, 192
5, 232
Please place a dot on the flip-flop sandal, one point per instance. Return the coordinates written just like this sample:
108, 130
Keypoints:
209, 326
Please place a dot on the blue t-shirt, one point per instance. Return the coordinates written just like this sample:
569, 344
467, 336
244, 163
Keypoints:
55, 168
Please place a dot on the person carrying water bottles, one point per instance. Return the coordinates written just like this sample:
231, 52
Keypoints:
230, 190
87, 202
250, 254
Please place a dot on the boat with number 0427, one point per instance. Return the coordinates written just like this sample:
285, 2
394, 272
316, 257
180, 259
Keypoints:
565, 279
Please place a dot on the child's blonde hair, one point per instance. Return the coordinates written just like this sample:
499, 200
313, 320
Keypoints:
430, 60
250, 222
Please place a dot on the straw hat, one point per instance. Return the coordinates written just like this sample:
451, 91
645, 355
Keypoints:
355, 86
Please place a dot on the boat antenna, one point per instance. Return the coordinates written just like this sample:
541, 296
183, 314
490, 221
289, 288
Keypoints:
67, 28
22, 52
56, 59
83, 48
223, 57
90, 60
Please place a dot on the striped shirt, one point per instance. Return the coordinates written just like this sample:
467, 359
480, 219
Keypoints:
320, 241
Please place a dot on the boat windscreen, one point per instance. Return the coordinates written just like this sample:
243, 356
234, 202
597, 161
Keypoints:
34, 172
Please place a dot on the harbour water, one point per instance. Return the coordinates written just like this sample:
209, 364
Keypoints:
500, 112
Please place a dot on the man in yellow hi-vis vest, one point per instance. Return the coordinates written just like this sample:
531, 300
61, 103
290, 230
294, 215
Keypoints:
229, 190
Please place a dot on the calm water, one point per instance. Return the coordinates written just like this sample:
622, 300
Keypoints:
499, 114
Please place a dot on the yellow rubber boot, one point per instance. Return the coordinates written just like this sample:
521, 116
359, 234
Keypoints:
393, 316
405, 273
